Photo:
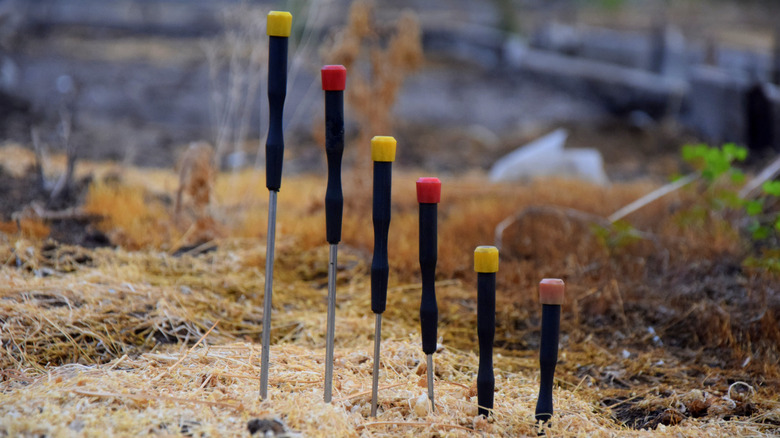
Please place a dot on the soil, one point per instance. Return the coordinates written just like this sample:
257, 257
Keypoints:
24, 191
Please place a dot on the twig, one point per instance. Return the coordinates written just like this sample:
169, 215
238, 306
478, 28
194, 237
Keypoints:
362, 393
567, 213
766, 174
71, 213
121, 359
143, 396
36, 141
652, 196
455, 384
415, 424
68, 337
65, 181
186, 354
632, 398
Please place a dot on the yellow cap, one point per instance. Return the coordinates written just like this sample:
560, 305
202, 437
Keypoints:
383, 148
279, 23
486, 259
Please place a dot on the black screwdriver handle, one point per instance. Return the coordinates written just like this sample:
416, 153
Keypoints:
428, 196
486, 265
551, 294
548, 359
277, 91
486, 330
383, 155
333, 81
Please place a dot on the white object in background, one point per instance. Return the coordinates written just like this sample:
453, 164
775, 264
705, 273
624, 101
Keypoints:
546, 156
533, 159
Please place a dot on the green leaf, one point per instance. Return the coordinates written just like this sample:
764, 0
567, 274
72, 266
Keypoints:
753, 208
771, 188
689, 152
777, 224
694, 152
761, 233
741, 154
727, 198
733, 152
737, 177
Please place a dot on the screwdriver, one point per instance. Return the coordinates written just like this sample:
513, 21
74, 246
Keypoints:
278, 30
486, 265
334, 78
428, 196
551, 291
383, 155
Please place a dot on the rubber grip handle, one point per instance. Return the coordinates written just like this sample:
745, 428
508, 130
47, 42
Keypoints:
277, 91
429, 310
486, 331
334, 150
548, 359
380, 268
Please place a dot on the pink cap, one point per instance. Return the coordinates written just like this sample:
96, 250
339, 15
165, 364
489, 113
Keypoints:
334, 77
551, 291
428, 190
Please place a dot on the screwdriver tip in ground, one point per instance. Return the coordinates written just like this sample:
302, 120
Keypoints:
428, 196
551, 293
486, 266
383, 155
278, 27
334, 79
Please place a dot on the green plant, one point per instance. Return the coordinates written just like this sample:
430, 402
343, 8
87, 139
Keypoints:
716, 166
619, 235
713, 162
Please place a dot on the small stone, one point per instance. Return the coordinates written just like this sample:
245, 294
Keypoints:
265, 427
422, 405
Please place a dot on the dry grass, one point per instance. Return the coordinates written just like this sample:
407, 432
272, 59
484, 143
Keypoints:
378, 60
212, 390
90, 334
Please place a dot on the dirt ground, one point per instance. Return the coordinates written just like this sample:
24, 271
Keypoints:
670, 334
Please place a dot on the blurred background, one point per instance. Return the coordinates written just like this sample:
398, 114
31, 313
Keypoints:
459, 83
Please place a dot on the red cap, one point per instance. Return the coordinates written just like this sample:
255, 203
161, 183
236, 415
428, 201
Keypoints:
551, 291
428, 190
334, 77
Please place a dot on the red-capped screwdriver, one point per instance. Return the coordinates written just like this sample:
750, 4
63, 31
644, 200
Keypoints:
334, 78
383, 155
278, 30
551, 292
428, 196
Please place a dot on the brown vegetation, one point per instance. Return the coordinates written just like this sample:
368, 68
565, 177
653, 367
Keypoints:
377, 65
657, 325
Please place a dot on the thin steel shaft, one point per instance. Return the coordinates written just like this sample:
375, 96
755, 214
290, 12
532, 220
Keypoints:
269, 280
331, 330
377, 347
430, 381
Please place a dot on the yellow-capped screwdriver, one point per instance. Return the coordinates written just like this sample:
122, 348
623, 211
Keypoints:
486, 265
383, 155
278, 30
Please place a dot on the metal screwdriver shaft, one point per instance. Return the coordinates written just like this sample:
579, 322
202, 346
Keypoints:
428, 196
486, 265
383, 155
334, 79
278, 30
551, 292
